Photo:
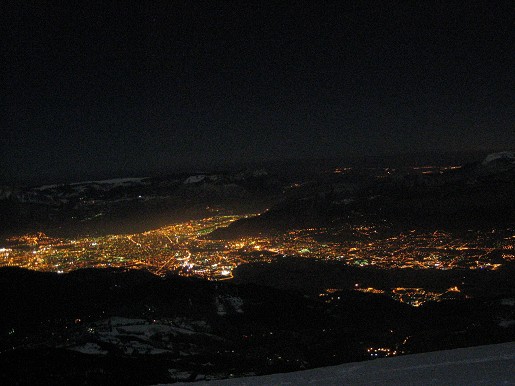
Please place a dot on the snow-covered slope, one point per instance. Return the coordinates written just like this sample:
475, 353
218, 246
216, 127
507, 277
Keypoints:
105, 184
482, 365
507, 156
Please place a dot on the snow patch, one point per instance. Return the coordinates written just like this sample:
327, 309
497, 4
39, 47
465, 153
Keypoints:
223, 303
259, 173
505, 323
180, 375
220, 308
135, 347
120, 321
195, 179
236, 303
89, 348
503, 155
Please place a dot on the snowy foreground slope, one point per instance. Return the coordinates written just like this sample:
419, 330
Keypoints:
482, 365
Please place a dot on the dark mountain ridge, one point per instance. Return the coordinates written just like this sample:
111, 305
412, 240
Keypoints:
103, 325
476, 195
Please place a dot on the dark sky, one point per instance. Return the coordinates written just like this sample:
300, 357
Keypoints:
123, 89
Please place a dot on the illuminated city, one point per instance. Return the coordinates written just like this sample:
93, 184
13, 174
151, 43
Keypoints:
183, 248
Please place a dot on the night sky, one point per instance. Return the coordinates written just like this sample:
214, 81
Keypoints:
113, 90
